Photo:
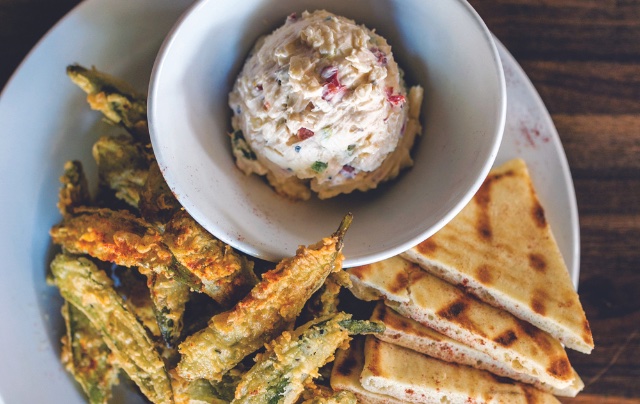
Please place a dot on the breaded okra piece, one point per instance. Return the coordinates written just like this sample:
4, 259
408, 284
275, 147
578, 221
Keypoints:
123, 166
86, 356
226, 388
325, 301
126, 240
169, 298
157, 202
91, 291
271, 306
118, 101
113, 236
320, 394
193, 392
224, 275
74, 191
132, 286
293, 358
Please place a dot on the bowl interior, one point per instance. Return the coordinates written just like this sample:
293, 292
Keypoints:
441, 45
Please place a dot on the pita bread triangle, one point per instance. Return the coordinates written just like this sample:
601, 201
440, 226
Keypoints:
421, 296
501, 249
346, 370
413, 377
410, 334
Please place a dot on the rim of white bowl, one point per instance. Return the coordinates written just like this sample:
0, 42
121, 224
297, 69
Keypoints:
502, 117
374, 256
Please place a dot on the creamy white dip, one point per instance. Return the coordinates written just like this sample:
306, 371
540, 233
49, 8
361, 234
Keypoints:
320, 104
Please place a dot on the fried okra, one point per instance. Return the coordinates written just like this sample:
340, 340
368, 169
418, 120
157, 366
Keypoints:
91, 291
123, 166
118, 101
74, 191
223, 274
270, 307
293, 358
87, 357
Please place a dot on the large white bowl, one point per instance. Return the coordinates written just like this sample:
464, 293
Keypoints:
442, 45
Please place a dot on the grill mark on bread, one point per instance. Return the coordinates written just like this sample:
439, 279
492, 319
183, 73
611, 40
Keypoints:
538, 215
347, 366
529, 395
537, 306
483, 274
537, 262
380, 314
453, 310
402, 324
374, 363
560, 368
539, 337
483, 200
586, 332
396, 323
538, 302
360, 271
567, 301
414, 273
427, 247
400, 282
455, 313
507, 338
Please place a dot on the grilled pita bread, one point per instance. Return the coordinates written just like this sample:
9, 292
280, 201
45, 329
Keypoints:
429, 380
430, 301
501, 249
413, 335
345, 374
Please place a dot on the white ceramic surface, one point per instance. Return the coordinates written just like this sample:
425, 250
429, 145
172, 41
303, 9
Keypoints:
442, 45
529, 133
44, 121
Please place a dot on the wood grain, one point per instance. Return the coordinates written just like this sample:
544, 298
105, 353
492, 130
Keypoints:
583, 57
591, 399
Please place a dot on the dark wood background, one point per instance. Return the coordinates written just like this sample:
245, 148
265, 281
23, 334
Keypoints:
583, 56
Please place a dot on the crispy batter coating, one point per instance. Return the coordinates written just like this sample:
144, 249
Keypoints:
91, 291
74, 191
157, 204
134, 291
169, 298
293, 359
270, 306
176, 255
193, 392
225, 275
280, 373
117, 100
86, 356
112, 236
123, 166
325, 301
122, 238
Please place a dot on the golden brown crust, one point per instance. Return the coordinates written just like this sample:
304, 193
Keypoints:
408, 333
452, 312
225, 275
500, 248
432, 380
112, 236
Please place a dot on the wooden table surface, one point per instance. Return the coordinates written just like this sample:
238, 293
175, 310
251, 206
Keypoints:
583, 57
